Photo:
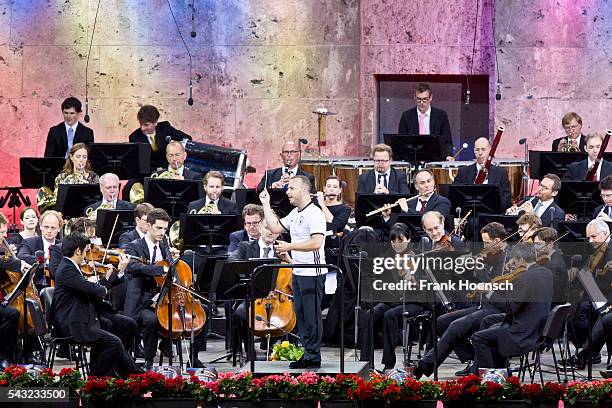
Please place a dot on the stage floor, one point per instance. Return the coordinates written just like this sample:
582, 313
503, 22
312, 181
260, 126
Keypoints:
330, 357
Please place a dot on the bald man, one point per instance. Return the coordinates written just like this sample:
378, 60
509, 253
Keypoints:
497, 175
279, 178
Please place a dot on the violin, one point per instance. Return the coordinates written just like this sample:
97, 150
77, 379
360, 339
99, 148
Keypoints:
187, 312
276, 310
111, 256
444, 244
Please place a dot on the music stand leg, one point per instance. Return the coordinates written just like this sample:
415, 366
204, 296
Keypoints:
589, 346
434, 334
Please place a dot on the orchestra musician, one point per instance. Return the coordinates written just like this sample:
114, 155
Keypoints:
109, 187
156, 134
29, 220
142, 226
573, 141
598, 234
604, 211
496, 175
9, 316
437, 237
428, 199
176, 156
50, 224
121, 326
424, 119
74, 313
388, 315
543, 204
279, 177
579, 169
306, 225
336, 215
525, 312
383, 179
77, 169
551, 257
252, 214
528, 224
141, 285
456, 327
214, 202
63, 136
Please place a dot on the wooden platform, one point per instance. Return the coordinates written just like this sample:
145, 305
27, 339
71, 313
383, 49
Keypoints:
263, 368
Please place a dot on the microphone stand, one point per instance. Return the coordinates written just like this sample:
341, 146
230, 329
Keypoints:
357, 305
525, 172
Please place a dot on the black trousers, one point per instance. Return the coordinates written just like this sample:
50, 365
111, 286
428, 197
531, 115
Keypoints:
147, 321
455, 329
108, 357
391, 316
601, 331
121, 326
307, 294
487, 354
9, 320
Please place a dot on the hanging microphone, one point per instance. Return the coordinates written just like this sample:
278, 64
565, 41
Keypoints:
193, 27
498, 91
190, 100
522, 141
467, 97
86, 117
303, 141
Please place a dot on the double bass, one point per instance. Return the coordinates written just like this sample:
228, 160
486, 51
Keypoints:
276, 310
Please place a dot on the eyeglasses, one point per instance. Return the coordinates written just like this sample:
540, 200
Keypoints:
606, 195
290, 151
252, 224
380, 161
422, 100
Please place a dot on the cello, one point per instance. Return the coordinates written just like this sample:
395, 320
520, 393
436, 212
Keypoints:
186, 312
274, 314
483, 173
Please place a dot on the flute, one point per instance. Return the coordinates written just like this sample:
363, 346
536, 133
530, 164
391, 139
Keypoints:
395, 204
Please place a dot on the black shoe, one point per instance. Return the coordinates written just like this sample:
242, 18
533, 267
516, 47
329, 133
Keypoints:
166, 347
418, 371
302, 363
198, 364
264, 344
63, 351
606, 373
139, 353
579, 362
466, 371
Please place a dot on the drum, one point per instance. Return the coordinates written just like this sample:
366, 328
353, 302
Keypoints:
445, 171
349, 172
312, 164
514, 168
203, 157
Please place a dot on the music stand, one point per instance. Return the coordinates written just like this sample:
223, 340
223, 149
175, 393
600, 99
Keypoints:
366, 202
36, 172
580, 198
542, 163
173, 196
480, 198
72, 199
279, 202
207, 229
413, 221
508, 221
418, 148
106, 219
127, 160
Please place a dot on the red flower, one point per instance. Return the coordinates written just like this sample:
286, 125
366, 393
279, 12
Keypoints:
66, 371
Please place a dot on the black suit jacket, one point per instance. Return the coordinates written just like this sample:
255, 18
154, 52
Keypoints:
225, 205
191, 175
435, 203
398, 183
526, 312
557, 266
598, 210
163, 129
11, 264
236, 238
127, 237
27, 252
73, 303
141, 285
276, 174
245, 250
550, 218
121, 205
497, 175
581, 145
438, 125
456, 242
578, 170
57, 139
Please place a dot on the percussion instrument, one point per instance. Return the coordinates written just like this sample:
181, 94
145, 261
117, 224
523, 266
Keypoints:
445, 171
514, 168
350, 172
203, 157
311, 164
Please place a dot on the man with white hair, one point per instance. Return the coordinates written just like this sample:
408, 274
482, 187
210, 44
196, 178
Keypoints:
307, 226
109, 186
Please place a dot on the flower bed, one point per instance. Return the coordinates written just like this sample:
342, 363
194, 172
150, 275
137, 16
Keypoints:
307, 390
